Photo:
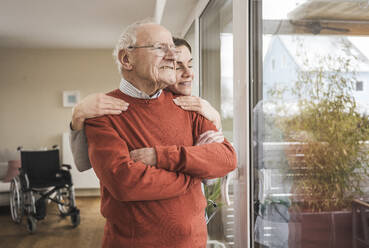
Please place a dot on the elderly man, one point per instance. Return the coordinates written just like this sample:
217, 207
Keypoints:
160, 203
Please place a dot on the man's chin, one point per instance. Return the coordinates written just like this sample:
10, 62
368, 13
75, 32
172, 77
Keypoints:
168, 81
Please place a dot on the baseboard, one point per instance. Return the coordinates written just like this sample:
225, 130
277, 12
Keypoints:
87, 192
4, 196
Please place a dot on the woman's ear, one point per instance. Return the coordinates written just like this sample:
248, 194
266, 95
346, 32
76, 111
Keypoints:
125, 60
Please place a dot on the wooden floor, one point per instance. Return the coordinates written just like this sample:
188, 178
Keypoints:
54, 231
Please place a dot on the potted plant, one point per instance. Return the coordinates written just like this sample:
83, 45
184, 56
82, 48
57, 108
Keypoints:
212, 191
329, 133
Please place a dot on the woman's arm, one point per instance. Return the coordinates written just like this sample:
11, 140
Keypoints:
91, 106
95, 105
78, 145
201, 106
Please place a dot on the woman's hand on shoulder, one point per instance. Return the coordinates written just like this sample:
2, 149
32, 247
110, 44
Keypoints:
201, 106
96, 105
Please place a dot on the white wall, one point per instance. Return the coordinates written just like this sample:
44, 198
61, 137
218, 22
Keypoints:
31, 86
32, 82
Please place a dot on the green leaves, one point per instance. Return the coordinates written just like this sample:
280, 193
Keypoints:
213, 193
331, 132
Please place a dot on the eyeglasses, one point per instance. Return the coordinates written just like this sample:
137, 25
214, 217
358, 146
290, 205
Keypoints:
160, 48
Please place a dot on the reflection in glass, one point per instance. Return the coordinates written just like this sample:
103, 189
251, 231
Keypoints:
311, 127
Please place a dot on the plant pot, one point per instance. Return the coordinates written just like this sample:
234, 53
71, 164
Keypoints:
324, 229
215, 227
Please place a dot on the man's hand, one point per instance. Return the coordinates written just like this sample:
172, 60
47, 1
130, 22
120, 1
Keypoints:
201, 106
148, 155
95, 105
210, 137
145, 155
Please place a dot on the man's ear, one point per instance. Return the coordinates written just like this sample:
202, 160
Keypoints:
125, 60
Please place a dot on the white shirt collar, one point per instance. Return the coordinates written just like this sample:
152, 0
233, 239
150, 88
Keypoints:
128, 89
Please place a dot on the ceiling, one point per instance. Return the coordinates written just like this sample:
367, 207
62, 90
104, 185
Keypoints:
80, 23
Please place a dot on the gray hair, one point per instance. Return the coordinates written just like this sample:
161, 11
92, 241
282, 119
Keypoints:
128, 38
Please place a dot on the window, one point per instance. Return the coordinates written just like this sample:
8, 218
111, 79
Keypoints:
273, 64
216, 70
284, 62
190, 38
315, 61
216, 42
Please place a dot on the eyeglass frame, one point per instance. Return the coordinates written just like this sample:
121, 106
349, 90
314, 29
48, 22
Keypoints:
161, 45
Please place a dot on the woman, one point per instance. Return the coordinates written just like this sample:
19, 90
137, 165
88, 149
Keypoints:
100, 104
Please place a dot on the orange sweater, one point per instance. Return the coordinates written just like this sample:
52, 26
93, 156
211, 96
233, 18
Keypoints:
154, 206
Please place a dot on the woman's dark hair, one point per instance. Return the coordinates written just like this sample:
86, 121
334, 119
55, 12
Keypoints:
181, 42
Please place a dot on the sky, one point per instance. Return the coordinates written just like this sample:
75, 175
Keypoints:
278, 9
361, 43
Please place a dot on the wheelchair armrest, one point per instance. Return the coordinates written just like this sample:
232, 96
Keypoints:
66, 166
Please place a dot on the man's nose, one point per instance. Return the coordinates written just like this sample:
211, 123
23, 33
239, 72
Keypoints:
171, 54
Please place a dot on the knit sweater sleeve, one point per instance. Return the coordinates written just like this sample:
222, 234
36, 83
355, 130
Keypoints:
125, 179
78, 145
205, 161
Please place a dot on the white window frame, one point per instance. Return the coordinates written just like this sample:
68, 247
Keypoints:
241, 121
195, 18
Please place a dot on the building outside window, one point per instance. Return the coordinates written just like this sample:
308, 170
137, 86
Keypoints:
359, 86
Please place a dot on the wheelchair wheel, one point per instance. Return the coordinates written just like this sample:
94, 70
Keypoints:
31, 224
75, 218
29, 203
16, 201
66, 198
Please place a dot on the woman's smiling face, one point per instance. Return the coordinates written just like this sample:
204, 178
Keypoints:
184, 73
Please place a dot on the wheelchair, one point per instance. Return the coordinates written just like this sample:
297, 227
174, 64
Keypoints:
42, 179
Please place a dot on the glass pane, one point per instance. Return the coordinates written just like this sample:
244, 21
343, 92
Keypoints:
190, 38
216, 51
311, 128
217, 60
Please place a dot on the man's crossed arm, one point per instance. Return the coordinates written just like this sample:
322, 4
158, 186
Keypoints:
177, 167
169, 157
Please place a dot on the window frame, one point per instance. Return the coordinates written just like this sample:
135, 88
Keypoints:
243, 100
